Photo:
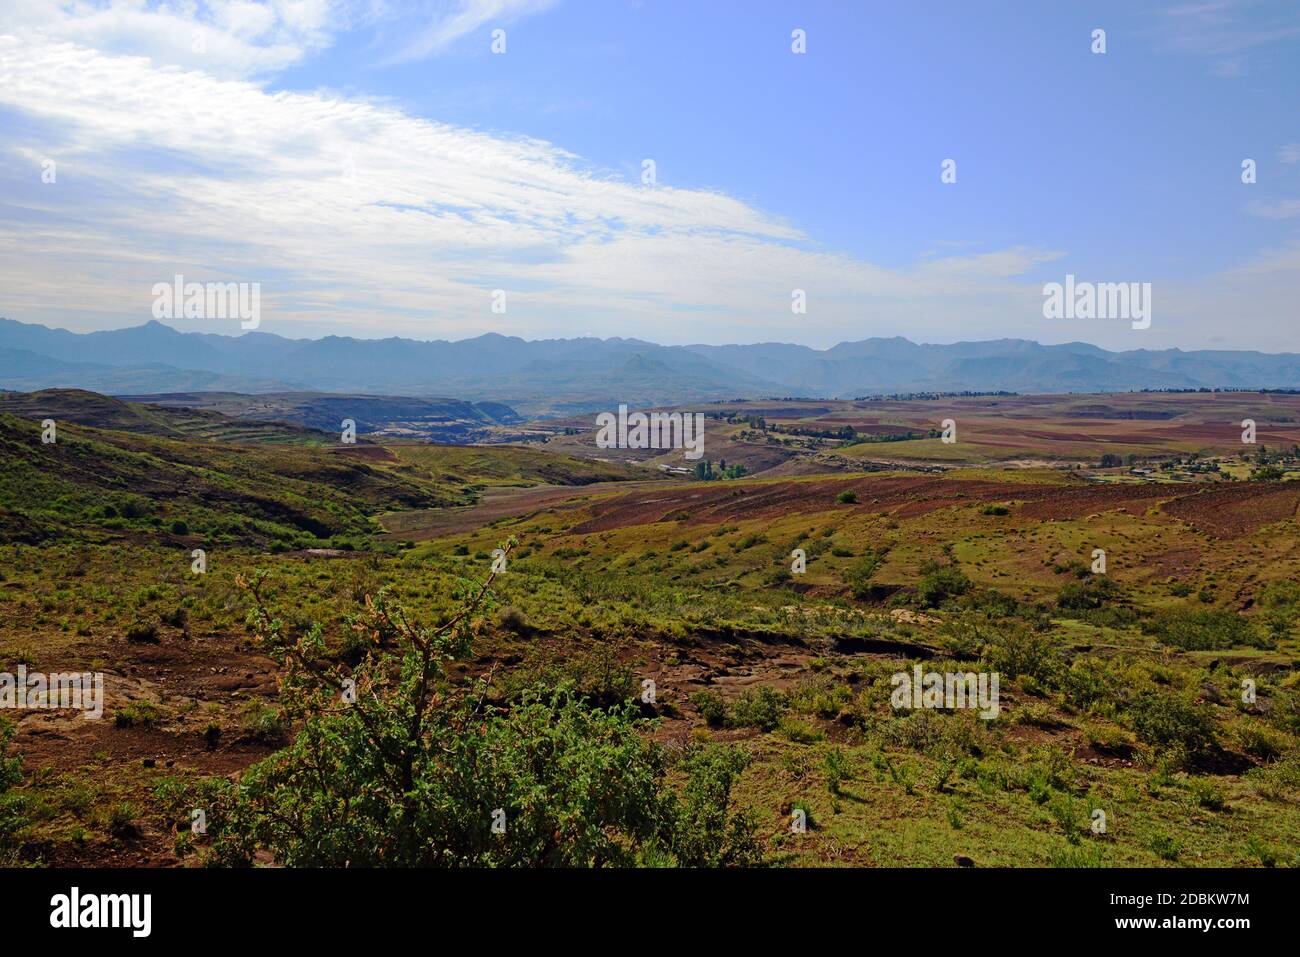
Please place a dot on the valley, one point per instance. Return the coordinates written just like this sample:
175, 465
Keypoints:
1122, 692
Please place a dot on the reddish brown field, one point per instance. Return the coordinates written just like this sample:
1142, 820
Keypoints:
1066, 426
1227, 512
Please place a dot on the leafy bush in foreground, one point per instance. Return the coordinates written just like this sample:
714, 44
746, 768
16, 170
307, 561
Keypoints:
408, 770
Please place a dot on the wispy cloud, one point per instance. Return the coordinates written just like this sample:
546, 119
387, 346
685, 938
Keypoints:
359, 218
1280, 209
1227, 32
229, 38
255, 39
435, 30
353, 213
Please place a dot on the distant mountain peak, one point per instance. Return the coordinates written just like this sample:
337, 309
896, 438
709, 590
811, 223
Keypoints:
567, 375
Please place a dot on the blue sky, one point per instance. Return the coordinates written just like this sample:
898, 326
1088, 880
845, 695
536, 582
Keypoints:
846, 141
463, 171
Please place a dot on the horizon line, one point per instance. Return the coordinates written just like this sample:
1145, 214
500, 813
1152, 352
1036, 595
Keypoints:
587, 338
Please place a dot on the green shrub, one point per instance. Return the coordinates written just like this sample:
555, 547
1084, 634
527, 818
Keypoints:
1203, 629
1267, 855
1074, 857
143, 631
1207, 795
938, 584
263, 722
858, 576
706, 831
138, 714
1164, 847
847, 497
800, 732
1088, 683
119, 821
760, 709
1092, 592
1018, 651
836, 768
1260, 741
13, 808
1068, 817
712, 707
1169, 721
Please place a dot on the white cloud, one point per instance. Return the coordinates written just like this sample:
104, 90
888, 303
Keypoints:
228, 38
357, 218
355, 215
253, 39
453, 19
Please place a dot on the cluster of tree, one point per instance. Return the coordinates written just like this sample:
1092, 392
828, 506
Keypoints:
910, 396
1207, 390
1281, 457
845, 432
850, 436
705, 472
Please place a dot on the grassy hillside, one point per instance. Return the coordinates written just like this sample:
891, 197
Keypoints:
175, 422
105, 483
1122, 692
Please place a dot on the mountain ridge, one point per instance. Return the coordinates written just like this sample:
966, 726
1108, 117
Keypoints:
560, 376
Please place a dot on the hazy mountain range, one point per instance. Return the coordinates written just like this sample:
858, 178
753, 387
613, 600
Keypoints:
575, 375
